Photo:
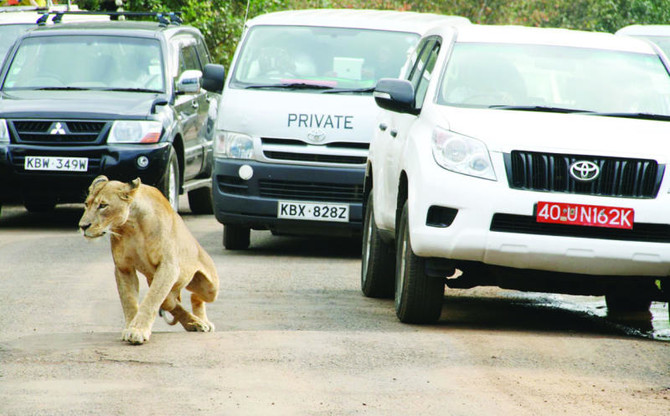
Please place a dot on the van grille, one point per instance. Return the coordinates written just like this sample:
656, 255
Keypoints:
348, 153
311, 191
619, 177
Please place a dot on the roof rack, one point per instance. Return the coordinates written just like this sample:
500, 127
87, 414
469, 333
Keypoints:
164, 18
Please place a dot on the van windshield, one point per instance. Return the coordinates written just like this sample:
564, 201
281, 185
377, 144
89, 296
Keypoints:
337, 58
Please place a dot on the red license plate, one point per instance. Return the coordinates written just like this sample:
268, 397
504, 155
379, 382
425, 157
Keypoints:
589, 215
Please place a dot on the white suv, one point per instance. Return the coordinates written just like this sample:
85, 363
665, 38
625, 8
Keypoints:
523, 158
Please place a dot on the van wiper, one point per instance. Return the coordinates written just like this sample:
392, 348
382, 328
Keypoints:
60, 88
640, 116
540, 108
130, 90
349, 90
291, 86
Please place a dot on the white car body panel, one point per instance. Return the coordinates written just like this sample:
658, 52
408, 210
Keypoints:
469, 237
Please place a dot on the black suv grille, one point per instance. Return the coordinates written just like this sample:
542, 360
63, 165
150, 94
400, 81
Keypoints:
57, 132
549, 172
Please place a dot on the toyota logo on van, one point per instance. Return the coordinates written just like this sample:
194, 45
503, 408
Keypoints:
316, 136
584, 170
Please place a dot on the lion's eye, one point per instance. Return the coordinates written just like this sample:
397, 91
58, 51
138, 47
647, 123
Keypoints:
102, 206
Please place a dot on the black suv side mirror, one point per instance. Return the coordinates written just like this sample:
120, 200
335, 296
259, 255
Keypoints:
395, 95
213, 77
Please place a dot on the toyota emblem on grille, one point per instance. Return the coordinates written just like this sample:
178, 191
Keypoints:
57, 128
316, 136
584, 170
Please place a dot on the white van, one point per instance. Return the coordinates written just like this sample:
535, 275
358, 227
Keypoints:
297, 114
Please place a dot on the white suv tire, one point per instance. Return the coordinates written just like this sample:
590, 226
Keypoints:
418, 297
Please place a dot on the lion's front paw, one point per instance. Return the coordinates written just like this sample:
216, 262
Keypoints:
136, 336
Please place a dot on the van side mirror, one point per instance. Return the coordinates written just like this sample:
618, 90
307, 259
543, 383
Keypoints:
395, 95
189, 82
213, 78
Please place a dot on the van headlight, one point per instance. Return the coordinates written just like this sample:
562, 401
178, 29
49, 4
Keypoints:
4, 132
135, 131
462, 154
233, 145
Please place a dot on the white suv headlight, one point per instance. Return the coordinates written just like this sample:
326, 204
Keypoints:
135, 131
4, 132
462, 154
233, 145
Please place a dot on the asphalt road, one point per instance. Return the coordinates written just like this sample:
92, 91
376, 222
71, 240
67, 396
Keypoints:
296, 337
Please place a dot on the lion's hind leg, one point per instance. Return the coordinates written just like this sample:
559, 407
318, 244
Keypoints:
189, 321
205, 289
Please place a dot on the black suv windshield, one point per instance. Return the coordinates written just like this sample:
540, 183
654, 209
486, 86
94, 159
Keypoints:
87, 62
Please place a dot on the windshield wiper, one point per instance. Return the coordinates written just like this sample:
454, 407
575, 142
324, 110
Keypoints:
540, 108
292, 86
641, 116
130, 89
349, 90
60, 88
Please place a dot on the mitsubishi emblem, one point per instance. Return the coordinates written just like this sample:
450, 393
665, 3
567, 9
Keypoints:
57, 129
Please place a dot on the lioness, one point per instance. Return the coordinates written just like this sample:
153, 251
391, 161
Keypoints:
149, 237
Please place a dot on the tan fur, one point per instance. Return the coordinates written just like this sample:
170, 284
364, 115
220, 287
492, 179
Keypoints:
149, 237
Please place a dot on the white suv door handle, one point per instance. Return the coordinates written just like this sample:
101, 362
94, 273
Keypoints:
383, 126
394, 133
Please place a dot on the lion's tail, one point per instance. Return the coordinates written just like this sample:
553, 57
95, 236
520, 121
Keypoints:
163, 313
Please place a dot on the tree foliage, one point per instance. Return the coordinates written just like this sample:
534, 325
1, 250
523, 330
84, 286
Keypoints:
222, 21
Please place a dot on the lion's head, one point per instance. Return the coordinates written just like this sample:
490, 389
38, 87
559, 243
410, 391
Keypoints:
107, 206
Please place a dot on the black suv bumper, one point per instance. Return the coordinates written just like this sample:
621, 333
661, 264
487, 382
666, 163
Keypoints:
254, 202
117, 162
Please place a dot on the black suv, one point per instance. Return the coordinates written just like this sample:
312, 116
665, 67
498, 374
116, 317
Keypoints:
119, 98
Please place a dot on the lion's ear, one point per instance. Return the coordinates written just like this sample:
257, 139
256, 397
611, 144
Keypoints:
97, 181
129, 193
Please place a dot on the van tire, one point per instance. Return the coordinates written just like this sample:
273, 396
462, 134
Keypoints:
200, 201
236, 237
378, 259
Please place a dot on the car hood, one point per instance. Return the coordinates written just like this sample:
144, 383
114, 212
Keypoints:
316, 117
507, 130
76, 104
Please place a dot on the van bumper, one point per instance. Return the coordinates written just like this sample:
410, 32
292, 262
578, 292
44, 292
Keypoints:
254, 202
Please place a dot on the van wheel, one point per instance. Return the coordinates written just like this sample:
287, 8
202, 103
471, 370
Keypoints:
626, 303
236, 237
170, 184
200, 201
378, 259
418, 297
